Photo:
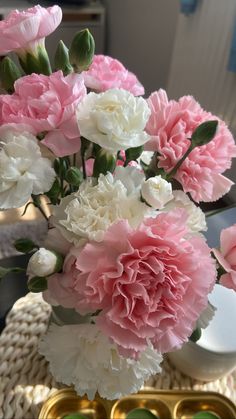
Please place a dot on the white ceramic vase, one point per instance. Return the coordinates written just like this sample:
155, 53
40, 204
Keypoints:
214, 355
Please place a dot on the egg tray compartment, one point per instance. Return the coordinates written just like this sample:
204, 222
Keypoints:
169, 404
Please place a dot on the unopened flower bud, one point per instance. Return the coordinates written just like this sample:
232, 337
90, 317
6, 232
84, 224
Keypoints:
156, 192
9, 73
74, 176
61, 59
44, 263
104, 162
60, 166
81, 51
35, 61
204, 133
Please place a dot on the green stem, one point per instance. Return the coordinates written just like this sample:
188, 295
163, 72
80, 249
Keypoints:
174, 170
218, 211
37, 204
83, 166
62, 186
74, 160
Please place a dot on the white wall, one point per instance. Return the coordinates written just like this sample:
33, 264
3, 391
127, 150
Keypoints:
199, 63
141, 33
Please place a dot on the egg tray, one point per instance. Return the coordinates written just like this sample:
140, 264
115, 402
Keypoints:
169, 404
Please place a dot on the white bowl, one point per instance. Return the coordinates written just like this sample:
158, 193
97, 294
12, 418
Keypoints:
214, 355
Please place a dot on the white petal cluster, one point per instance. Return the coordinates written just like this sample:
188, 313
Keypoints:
88, 213
131, 177
206, 316
42, 263
115, 119
23, 170
196, 219
156, 192
80, 355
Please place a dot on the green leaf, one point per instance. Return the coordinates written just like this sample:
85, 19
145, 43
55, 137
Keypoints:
195, 336
25, 245
133, 154
204, 133
37, 284
141, 413
205, 415
54, 192
5, 271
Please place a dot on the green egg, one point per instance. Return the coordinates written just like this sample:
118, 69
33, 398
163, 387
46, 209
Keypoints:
205, 415
141, 413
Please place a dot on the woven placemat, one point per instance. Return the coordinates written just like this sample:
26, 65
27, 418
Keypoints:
25, 380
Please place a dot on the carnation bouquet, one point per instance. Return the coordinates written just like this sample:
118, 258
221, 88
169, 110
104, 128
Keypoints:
123, 176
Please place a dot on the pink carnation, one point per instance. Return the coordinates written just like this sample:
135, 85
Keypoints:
150, 284
226, 256
20, 30
171, 124
108, 73
47, 104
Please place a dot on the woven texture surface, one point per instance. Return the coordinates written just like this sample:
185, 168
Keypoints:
25, 380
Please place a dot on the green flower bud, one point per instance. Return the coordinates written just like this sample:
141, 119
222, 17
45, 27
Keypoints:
9, 73
74, 176
37, 62
104, 162
204, 133
60, 166
37, 284
25, 245
81, 51
61, 59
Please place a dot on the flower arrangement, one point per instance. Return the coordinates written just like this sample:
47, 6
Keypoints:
123, 179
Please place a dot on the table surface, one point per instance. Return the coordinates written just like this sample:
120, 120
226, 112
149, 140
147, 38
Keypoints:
25, 379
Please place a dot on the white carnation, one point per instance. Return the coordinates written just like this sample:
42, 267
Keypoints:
156, 192
146, 157
81, 356
42, 263
206, 316
23, 171
88, 213
115, 119
131, 177
196, 219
